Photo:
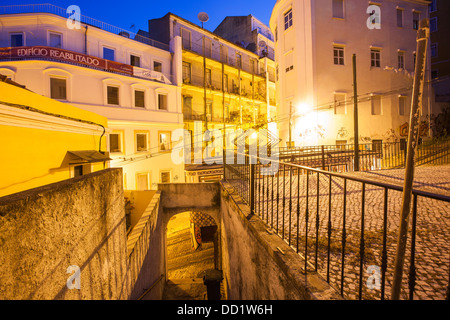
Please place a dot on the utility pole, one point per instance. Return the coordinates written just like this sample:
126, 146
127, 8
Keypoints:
290, 124
355, 115
413, 137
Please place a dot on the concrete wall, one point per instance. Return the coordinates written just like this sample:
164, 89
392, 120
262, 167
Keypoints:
145, 247
79, 222
254, 268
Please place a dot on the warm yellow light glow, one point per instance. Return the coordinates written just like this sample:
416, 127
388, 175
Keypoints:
303, 109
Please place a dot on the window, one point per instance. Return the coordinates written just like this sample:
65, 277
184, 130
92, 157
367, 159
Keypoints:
400, 18
376, 105
186, 39
225, 82
238, 60
434, 74
58, 89
339, 103
433, 24
162, 101
402, 105
164, 141
208, 48
141, 141
135, 61
55, 40
115, 142
433, 5
81, 170
416, 19
17, 40
209, 110
338, 9
186, 72
165, 176
113, 95
139, 99
434, 50
375, 57
401, 60
108, 53
143, 181
157, 66
187, 107
78, 171
224, 54
338, 55
288, 19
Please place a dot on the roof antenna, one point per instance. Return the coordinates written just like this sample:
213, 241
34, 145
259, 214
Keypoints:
203, 17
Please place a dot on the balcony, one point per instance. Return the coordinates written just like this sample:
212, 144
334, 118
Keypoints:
216, 56
62, 12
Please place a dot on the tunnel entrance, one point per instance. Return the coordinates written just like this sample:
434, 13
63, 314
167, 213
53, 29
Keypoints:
191, 249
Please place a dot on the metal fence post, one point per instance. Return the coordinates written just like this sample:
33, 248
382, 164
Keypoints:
252, 188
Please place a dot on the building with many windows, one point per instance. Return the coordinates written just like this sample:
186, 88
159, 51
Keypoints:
440, 50
314, 45
97, 67
224, 85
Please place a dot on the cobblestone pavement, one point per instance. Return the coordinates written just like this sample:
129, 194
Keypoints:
432, 232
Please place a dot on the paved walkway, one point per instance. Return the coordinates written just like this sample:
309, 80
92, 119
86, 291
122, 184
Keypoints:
433, 226
186, 266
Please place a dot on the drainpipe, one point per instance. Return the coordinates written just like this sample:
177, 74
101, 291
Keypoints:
85, 39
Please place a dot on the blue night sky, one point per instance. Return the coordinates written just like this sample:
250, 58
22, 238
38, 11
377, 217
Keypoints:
124, 14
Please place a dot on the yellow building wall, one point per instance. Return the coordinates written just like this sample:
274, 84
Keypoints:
33, 157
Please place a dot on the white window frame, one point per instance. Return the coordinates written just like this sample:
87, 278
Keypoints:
341, 104
135, 55
15, 33
121, 135
49, 33
375, 50
165, 171
289, 22
110, 48
158, 61
372, 96
147, 140
338, 48
149, 181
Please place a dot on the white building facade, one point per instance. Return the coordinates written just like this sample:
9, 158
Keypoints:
314, 45
99, 69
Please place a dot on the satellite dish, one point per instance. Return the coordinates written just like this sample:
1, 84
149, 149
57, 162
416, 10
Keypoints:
262, 44
203, 17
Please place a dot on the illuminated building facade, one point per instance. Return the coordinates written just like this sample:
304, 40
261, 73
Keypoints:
314, 45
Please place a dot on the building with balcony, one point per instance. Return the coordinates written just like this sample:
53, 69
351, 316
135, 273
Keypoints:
249, 32
314, 45
224, 85
122, 76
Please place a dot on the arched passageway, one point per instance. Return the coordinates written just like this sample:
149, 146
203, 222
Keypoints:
191, 249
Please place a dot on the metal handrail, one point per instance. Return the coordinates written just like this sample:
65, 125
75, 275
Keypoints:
272, 201
52, 9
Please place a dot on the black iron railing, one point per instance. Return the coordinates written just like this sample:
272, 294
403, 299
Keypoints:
373, 156
345, 226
